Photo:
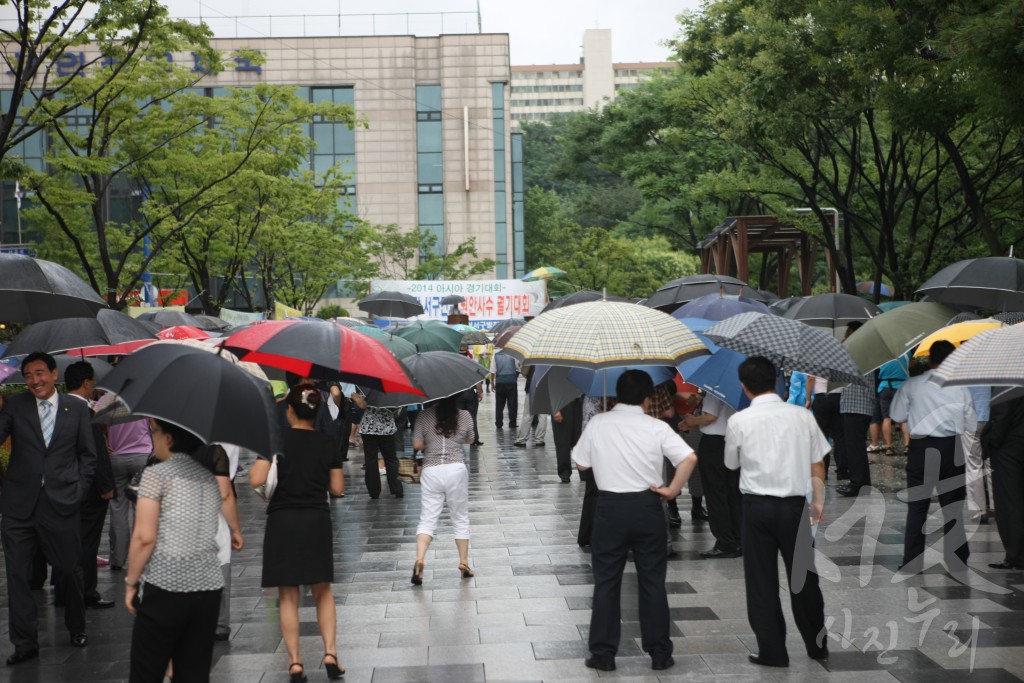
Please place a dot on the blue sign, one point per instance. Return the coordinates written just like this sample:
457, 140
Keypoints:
14, 250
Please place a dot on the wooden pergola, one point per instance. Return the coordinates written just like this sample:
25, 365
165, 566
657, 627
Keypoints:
727, 251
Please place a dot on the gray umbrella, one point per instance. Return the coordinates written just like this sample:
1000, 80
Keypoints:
1010, 317
212, 323
54, 336
506, 325
674, 294
475, 337
452, 300
439, 373
391, 305
992, 282
581, 298
834, 311
32, 290
551, 390
172, 319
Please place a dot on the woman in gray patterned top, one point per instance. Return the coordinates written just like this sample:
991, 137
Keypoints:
173, 554
440, 432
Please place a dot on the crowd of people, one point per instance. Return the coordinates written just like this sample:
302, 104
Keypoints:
759, 467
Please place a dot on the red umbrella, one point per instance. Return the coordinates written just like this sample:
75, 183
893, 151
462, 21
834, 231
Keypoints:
183, 332
322, 351
122, 349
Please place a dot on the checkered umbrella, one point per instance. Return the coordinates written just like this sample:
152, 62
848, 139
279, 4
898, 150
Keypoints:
993, 358
790, 344
604, 334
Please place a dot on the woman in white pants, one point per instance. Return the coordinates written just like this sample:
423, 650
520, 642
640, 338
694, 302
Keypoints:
440, 432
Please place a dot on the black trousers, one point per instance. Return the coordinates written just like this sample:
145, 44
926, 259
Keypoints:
855, 448
590, 491
60, 538
385, 446
721, 492
471, 407
506, 394
174, 626
93, 513
1008, 489
565, 434
771, 526
826, 412
932, 463
623, 522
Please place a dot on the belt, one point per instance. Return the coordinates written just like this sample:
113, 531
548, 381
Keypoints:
627, 493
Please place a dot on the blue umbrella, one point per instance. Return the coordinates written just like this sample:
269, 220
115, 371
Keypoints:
719, 307
719, 377
602, 382
697, 325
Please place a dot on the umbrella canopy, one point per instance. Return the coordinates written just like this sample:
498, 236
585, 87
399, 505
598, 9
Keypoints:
183, 332
100, 369
789, 344
992, 282
33, 290
895, 332
431, 335
698, 326
719, 376
580, 298
502, 339
213, 323
551, 390
172, 319
543, 273
399, 348
834, 311
321, 351
506, 324
160, 381
453, 300
475, 337
955, 334
892, 305
868, 287
391, 305
782, 305
350, 322
994, 358
439, 373
602, 382
967, 316
674, 294
604, 334
719, 307
55, 336
1010, 318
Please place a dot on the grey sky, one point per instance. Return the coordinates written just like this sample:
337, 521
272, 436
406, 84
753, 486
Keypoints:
540, 31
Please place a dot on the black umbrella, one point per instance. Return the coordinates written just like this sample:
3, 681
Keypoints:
1009, 317
172, 319
581, 298
452, 300
782, 305
966, 316
674, 294
439, 373
992, 282
100, 369
212, 323
198, 391
506, 325
54, 336
391, 305
475, 337
32, 290
834, 311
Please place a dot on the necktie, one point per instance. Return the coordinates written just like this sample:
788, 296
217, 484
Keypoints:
46, 421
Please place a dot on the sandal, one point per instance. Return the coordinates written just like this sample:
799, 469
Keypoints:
296, 676
334, 671
890, 452
417, 574
467, 573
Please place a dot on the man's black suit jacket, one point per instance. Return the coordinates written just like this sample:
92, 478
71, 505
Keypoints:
67, 465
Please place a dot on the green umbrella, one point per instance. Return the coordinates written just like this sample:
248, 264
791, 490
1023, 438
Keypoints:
431, 335
893, 333
892, 305
399, 348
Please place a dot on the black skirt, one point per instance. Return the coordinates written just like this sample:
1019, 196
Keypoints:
298, 548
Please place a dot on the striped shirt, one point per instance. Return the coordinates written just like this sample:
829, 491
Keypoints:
440, 449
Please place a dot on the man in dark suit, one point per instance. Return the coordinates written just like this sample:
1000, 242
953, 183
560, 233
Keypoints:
51, 468
80, 382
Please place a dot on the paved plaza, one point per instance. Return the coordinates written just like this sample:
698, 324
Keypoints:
525, 615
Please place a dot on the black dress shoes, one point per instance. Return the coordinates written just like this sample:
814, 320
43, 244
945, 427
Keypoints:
719, 554
1004, 565
20, 656
756, 659
99, 604
663, 664
599, 664
700, 515
847, 491
675, 521
79, 639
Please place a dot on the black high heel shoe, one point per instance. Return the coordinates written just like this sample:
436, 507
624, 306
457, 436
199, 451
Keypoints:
417, 574
334, 671
296, 676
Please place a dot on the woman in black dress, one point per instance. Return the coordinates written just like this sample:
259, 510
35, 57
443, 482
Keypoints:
297, 544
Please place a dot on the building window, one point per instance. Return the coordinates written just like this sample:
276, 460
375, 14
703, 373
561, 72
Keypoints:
430, 161
500, 211
335, 142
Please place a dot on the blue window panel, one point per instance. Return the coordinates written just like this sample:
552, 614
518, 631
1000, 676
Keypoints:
429, 169
428, 136
431, 209
345, 95
500, 212
428, 98
499, 133
322, 163
498, 96
344, 139
323, 136
322, 95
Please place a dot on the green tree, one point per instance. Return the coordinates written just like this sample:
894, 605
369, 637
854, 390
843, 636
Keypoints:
415, 255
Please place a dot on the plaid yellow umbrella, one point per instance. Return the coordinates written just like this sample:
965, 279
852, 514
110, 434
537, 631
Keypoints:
956, 334
543, 273
604, 334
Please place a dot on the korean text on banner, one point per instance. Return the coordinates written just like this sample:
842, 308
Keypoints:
487, 302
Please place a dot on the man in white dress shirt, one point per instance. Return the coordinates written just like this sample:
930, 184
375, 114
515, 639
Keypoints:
935, 417
721, 485
625, 448
778, 449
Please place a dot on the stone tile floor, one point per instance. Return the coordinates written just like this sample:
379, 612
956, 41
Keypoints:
525, 615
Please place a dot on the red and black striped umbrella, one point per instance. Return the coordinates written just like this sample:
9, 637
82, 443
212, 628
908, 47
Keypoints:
322, 350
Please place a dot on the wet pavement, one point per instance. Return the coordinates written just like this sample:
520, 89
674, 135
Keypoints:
525, 615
